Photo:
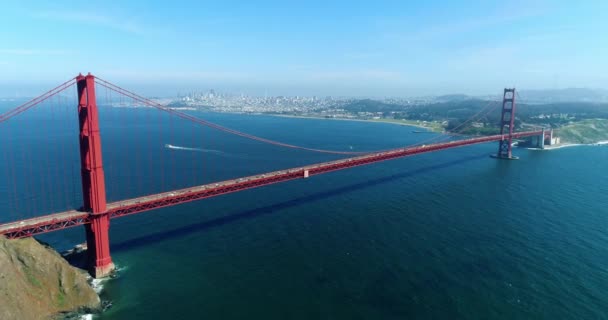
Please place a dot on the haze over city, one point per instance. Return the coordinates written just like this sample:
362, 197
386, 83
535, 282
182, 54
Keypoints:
317, 48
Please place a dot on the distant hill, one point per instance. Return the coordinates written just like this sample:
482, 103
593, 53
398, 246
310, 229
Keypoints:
564, 95
446, 110
586, 131
368, 105
452, 97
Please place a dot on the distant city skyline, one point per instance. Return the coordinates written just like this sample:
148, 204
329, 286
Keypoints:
340, 48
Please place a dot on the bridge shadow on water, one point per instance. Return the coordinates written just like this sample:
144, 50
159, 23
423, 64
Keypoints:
256, 212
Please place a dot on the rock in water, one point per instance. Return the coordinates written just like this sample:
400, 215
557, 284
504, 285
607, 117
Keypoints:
37, 283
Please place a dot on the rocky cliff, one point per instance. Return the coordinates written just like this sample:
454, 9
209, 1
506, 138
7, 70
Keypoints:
37, 283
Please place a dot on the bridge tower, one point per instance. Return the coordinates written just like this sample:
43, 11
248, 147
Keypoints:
93, 183
506, 125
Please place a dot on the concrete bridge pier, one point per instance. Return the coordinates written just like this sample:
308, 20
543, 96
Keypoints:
540, 141
98, 246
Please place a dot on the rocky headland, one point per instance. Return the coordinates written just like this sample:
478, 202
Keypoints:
36, 282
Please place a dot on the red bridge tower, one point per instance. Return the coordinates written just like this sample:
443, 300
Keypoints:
507, 120
93, 182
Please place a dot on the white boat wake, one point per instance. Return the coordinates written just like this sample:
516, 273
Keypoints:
170, 146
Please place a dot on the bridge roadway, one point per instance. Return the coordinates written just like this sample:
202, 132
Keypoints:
72, 218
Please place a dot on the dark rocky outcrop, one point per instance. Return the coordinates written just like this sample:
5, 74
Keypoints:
37, 283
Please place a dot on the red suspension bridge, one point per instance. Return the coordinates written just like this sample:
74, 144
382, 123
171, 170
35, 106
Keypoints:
96, 211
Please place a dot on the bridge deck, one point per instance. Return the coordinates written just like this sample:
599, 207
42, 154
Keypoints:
118, 209
42, 221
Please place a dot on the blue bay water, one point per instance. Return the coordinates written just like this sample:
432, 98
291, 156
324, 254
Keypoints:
453, 234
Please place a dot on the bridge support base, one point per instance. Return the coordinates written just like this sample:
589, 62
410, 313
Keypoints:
98, 246
541, 140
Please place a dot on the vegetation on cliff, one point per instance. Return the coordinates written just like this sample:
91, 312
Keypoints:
37, 283
585, 131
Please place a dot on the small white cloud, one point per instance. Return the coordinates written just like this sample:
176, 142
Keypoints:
484, 57
355, 75
96, 19
363, 55
177, 75
465, 25
30, 52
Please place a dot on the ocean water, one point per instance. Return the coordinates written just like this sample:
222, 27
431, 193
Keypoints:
453, 234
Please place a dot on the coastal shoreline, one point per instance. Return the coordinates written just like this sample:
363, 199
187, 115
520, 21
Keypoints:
429, 129
568, 145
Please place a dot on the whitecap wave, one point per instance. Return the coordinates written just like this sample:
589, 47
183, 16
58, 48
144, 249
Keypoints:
174, 147
119, 269
97, 285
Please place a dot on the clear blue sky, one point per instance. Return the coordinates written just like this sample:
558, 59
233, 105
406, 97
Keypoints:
371, 48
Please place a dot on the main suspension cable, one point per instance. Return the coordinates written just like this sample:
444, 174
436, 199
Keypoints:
35, 101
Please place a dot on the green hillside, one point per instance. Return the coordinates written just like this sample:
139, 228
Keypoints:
585, 131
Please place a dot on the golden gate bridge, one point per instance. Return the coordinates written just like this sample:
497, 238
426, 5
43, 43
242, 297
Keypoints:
96, 211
